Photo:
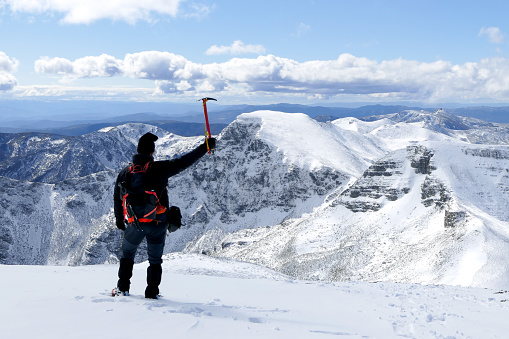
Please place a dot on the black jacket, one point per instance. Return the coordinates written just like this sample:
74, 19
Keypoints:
158, 174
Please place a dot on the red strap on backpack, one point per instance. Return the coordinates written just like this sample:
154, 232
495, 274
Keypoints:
159, 209
138, 168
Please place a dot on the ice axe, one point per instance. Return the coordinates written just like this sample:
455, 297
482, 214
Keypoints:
207, 126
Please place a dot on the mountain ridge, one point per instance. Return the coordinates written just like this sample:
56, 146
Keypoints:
348, 199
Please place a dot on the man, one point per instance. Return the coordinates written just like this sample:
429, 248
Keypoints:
156, 179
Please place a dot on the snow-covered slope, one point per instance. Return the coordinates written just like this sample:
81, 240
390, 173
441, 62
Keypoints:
431, 210
268, 167
248, 182
211, 298
401, 198
398, 223
52, 223
51, 158
472, 130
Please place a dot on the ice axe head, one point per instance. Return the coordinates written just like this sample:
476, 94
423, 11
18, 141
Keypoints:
207, 99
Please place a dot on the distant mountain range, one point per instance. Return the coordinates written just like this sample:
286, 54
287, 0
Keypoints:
187, 119
75, 128
322, 113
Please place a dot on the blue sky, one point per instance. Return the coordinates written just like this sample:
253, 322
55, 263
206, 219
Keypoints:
255, 51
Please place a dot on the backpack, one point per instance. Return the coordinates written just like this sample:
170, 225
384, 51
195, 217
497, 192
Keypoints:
140, 204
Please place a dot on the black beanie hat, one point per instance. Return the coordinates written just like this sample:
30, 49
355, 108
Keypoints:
146, 143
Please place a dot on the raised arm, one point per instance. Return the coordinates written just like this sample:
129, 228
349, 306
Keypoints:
175, 166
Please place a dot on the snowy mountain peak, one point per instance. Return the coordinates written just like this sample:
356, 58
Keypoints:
438, 120
389, 198
309, 144
470, 130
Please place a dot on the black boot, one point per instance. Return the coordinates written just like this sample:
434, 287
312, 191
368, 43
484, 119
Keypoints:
154, 273
125, 272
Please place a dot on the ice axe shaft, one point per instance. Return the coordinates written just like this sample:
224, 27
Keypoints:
207, 125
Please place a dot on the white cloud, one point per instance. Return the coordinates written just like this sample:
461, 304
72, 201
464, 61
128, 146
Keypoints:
237, 47
7, 67
88, 11
302, 28
87, 67
7, 64
346, 76
493, 33
155, 65
100, 66
7, 81
196, 11
59, 66
83, 93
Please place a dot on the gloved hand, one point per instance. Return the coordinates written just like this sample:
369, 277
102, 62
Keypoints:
120, 225
212, 143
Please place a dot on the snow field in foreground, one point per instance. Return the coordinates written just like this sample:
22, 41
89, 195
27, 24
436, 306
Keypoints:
211, 298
